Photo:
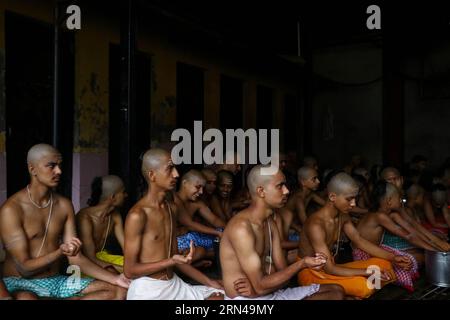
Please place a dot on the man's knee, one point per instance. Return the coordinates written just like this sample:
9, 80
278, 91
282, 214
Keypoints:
335, 291
109, 291
116, 292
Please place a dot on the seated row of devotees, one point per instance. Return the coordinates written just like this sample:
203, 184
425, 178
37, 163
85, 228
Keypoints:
263, 237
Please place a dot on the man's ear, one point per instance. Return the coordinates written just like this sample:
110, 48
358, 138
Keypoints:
388, 201
31, 170
151, 175
260, 192
332, 196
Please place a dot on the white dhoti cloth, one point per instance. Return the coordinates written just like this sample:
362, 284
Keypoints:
297, 293
147, 288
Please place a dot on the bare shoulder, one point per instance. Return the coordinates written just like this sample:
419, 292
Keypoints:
239, 227
63, 202
314, 224
176, 199
13, 205
200, 204
116, 216
346, 219
83, 214
137, 214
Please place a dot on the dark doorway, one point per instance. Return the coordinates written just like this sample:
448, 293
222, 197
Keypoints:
264, 107
190, 95
231, 103
141, 120
190, 101
292, 123
29, 96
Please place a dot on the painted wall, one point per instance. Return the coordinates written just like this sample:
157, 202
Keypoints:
91, 123
427, 118
347, 119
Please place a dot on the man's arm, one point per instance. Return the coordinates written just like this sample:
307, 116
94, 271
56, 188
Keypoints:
430, 215
278, 257
318, 199
243, 241
412, 235
217, 208
133, 268
365, 245
118, 229
301, 210
423, 232
185, 219
446, 214
317, 237
16, 243
209, 216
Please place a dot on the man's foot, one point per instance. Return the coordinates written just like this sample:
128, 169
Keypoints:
202, 264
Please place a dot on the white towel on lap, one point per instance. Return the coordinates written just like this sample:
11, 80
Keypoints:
297, 293
147, 288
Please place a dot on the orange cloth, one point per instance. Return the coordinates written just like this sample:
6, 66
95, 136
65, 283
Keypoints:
354, 286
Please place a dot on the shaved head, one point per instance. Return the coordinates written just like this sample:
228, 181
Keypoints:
305, 173
384, 174
153, 160
223, 175
38, 151
110, 186
194, 176
208, 173
342, 183
439, 194
256, 179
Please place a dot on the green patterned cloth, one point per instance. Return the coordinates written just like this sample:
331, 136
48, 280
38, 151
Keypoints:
52, 287
395, 242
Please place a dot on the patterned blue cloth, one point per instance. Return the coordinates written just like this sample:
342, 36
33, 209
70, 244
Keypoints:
52, 287
294, 236
200, 240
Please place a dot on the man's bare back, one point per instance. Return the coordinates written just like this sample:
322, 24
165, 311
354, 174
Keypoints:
98, 225
370, 228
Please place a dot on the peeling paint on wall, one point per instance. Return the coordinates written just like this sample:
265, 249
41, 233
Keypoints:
162, 127
91, 117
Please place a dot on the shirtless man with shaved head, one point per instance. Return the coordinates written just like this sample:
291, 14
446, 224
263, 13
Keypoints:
210, 186
221, 202
298, 202
151, 251
251, 238
101, 220
322, 232
37, 227
188, 204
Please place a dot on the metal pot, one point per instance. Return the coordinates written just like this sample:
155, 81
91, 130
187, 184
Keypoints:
437, 266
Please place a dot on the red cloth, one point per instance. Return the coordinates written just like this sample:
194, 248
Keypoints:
405, 278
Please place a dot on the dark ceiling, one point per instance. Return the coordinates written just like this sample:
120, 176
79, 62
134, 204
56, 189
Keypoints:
272, 26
